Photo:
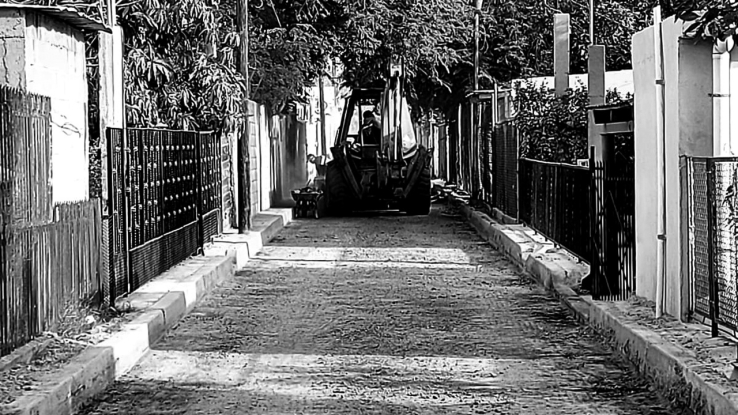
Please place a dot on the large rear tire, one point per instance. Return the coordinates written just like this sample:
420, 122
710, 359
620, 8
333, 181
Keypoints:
418, 201
340, 200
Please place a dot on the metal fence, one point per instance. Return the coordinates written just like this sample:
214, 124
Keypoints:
483, 159
548, 195
505, 148
171, 207
712, 206
612, 231
49, 255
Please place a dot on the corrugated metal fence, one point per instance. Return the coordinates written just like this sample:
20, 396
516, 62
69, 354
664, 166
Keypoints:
49, 255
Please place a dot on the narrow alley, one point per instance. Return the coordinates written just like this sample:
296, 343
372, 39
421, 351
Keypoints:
380, 314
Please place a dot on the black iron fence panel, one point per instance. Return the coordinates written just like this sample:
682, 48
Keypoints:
155, 257
117, 234
548, 195
505, 152
166, 203
612, 210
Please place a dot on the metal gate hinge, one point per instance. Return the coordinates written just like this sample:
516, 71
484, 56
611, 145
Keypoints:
711, 95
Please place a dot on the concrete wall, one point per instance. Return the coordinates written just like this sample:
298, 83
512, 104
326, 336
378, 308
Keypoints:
622, 81
56, 67
734, 96
12, 48
688, 131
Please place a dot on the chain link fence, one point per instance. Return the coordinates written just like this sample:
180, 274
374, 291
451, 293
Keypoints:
710, 188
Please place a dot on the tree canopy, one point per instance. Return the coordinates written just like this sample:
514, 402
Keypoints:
712, 19
181, 54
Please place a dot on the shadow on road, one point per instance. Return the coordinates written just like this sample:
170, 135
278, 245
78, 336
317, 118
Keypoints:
380, 314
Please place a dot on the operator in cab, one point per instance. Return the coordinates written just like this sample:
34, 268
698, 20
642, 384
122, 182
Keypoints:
371, 129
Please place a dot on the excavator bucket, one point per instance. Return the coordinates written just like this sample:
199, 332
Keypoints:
396, 122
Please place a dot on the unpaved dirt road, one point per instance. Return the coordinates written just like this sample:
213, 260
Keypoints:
380, 314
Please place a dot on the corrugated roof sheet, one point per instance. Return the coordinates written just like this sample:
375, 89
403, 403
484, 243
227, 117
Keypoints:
68, 15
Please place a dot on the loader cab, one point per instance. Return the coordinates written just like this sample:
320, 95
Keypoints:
360, 101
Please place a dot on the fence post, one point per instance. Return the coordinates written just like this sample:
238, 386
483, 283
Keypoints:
712, 281
125, 194
198, 189
593, 251
557, 204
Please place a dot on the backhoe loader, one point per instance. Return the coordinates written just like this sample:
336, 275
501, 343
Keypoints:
378, 165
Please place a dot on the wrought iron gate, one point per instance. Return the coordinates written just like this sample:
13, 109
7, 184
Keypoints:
164, 202
612, 219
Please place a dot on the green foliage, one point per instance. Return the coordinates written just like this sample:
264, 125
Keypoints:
171, 75
615, 22
174, 78
554, 128
516, 40
711, 19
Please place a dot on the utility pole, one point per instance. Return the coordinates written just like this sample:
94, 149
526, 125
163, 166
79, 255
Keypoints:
477, 12
321, 94
591, 22
243, 159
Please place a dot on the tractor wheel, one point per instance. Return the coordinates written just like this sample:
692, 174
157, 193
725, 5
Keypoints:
418, 201
339, 198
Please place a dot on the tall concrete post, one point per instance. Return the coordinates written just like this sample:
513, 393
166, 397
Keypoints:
596, 75
596, 91
561, 53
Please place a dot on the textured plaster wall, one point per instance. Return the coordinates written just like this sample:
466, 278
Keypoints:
56, 67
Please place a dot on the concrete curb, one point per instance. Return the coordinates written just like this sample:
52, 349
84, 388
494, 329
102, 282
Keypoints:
671, 368
161, 303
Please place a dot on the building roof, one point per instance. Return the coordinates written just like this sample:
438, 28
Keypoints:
69, 15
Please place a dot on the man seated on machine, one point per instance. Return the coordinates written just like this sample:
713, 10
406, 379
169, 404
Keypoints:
371, 129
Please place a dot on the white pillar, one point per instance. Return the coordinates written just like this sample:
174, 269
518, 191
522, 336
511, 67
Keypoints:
111, 95
722, 145
733, 101
561, 53
596, 75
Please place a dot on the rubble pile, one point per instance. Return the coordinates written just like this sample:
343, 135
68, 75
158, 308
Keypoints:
442, 190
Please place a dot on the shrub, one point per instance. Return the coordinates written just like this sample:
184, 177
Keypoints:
554, 128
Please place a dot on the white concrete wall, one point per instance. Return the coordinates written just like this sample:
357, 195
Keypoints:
734, 97
620, 80
688, 131
265, 160
56, 67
